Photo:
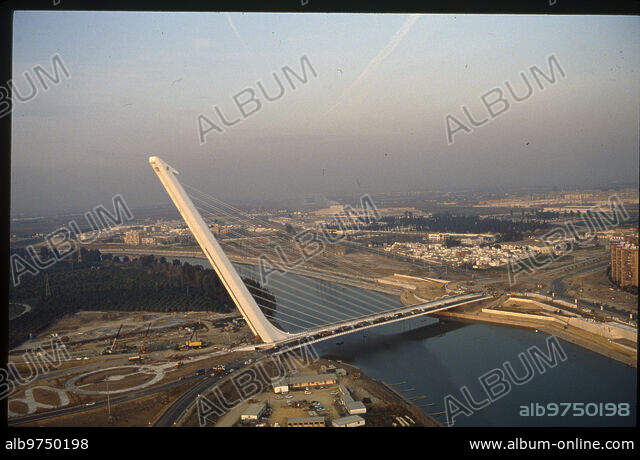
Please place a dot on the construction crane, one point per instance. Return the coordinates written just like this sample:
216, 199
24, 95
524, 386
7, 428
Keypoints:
142, 350
109, 350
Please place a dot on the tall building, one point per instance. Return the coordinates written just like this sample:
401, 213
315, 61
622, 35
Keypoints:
624, 264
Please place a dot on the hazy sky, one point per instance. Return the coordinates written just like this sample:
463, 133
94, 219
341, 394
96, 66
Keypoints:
372, 121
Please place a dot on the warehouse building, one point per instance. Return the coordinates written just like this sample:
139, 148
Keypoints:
304, 422
350, 421
253, 412
280, 386
296, 382
352, 407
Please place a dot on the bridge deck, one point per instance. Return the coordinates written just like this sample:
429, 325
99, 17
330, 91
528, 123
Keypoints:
331, 331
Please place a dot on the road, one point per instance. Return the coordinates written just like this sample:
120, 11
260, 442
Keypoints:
177, 409
112, 400
27, 309
559, 288
558, 283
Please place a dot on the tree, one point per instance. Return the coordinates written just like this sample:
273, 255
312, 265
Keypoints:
44, 253
450, 242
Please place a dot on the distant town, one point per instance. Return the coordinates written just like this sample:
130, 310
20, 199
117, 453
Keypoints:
561, 262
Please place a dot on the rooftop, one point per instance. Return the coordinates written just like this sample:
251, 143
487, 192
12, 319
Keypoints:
297, 379
254, 409
348, 419
304, 419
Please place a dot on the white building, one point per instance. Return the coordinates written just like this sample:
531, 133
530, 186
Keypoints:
280, 386
253, 412
350, 421
351, 406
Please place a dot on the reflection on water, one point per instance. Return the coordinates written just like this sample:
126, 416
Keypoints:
439, 358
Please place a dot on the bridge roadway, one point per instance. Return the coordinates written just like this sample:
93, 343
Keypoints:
331, 331
178, 408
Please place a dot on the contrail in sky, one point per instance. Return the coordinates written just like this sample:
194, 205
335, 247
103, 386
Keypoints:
234, 29
382, 54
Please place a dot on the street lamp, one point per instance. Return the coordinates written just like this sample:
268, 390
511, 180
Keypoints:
106, 380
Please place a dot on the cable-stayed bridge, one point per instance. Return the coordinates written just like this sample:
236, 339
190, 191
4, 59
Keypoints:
311, 319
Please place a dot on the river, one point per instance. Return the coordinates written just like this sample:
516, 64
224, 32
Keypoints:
437, 358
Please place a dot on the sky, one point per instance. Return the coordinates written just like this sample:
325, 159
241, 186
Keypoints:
371, 121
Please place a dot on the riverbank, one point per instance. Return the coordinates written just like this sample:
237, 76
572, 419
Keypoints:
390, 396
569, 333
383, 404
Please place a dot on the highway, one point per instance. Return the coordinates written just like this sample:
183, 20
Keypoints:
113, 400
177, 409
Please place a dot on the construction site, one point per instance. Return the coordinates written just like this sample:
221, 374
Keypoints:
116, 353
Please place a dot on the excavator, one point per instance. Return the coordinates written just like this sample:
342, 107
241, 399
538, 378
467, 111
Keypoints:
109, 350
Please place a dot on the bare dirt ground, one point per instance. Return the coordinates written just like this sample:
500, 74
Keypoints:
138, 412
596, 287
45, 396
380, 266
129, 380
428, 290
89, 334
517, 286
126, 375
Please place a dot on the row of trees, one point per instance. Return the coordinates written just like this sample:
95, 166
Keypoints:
119, 283
450, 223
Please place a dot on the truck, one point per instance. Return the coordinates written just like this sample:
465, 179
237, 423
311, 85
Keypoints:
190, 345
216, 370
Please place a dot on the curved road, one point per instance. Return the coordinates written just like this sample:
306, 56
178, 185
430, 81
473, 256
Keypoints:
113, 400
177, 409
27, 309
